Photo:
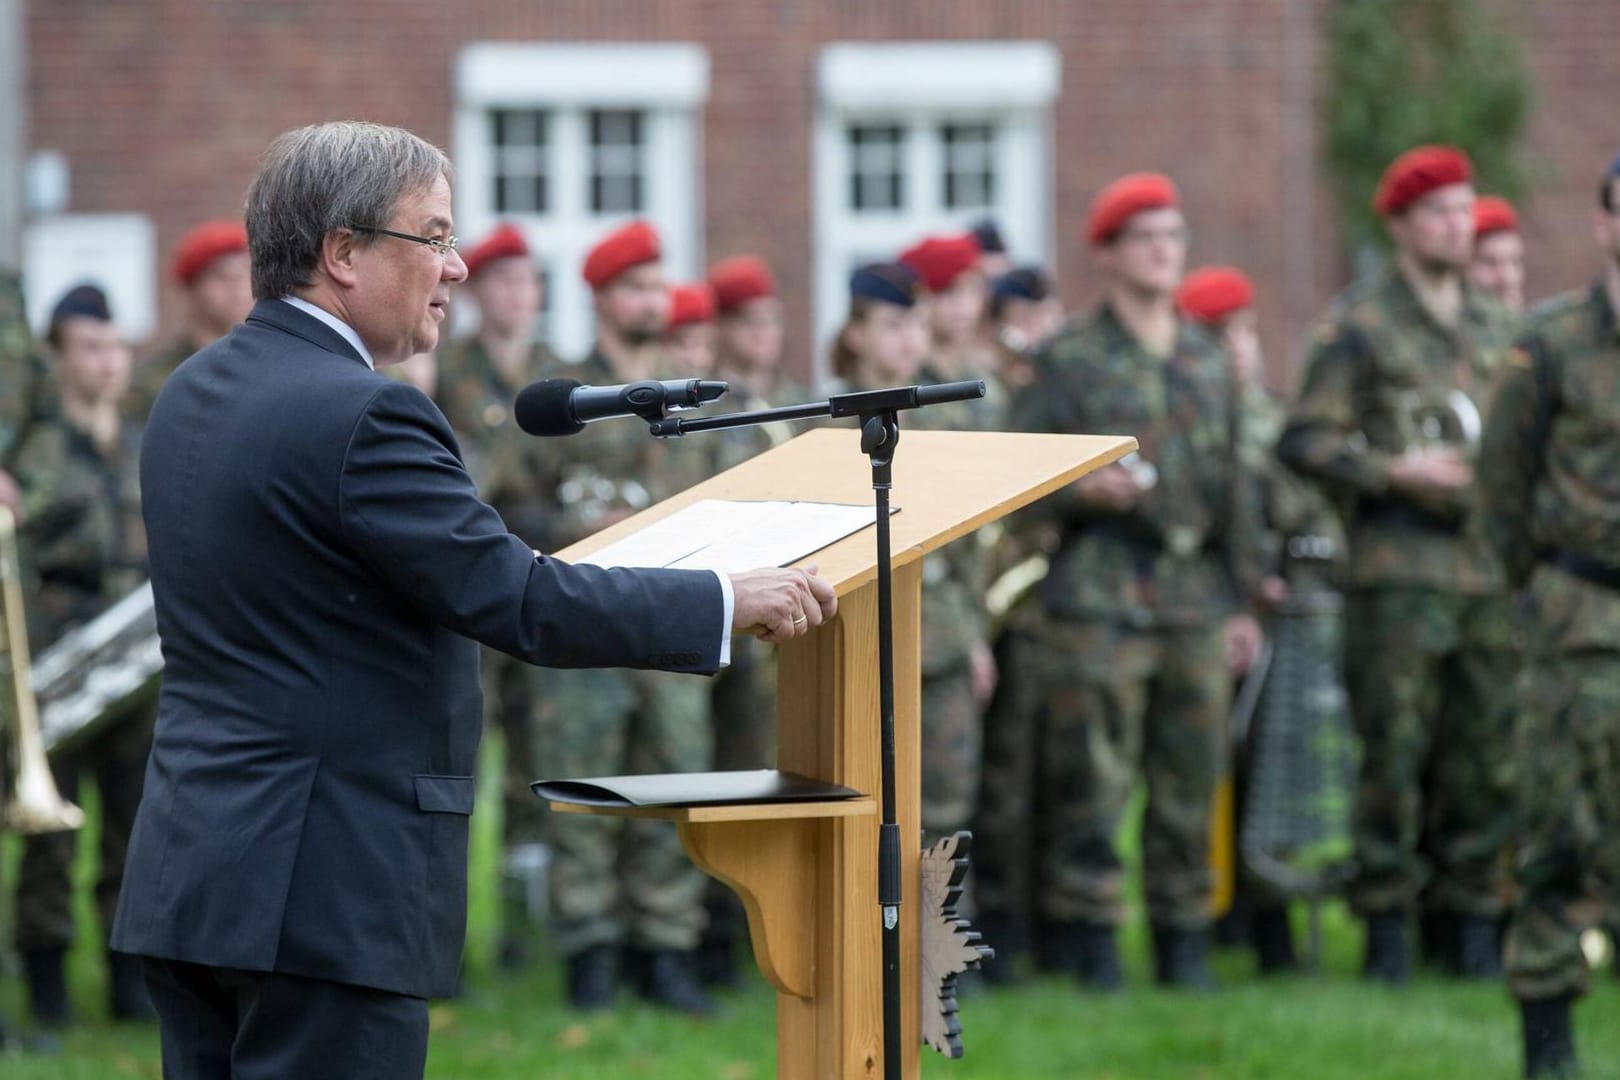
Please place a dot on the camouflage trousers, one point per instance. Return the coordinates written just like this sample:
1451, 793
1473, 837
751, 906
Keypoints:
116, 759
1567, 867
1430, 678
743, 701
1083, 712
617, 880
508, 691
951, 742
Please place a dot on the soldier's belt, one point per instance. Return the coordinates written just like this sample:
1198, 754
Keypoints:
1405, 515
1178, 540
1588, 569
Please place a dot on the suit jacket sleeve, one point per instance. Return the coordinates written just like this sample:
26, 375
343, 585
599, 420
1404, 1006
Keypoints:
412, 513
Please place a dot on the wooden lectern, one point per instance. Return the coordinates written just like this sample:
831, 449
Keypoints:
806, 871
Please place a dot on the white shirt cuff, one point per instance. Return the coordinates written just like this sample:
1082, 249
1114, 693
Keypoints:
728, 605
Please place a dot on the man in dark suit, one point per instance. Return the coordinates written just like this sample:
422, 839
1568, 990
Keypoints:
323, 571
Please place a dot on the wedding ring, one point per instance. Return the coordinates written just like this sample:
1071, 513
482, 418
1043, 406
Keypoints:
801, 620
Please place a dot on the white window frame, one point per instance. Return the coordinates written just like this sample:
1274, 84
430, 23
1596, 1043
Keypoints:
919, 86
669, 83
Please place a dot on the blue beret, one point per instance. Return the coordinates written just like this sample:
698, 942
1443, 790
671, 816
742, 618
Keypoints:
888, 283
1025, 283
988, 234
85, 300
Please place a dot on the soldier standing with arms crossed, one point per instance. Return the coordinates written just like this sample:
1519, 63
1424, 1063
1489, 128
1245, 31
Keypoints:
1552, 511
1400, 368
1127, 663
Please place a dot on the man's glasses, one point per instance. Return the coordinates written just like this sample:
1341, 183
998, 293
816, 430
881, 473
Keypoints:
441, 247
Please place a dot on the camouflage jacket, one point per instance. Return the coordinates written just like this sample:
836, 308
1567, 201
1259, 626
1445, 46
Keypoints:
1552, 453
1377, 384
1291, 506
152, 373
616, 466
1189, 551
514, 470
82, 542
27, 391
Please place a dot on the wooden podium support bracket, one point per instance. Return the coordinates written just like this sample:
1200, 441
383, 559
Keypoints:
807, 871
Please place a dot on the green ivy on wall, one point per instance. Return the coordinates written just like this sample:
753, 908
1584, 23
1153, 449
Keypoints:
1406, 72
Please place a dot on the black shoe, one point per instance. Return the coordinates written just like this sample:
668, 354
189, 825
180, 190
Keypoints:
1479, 948
128, 999
1274, 941
513, 954
667, 979
716, 962
1009, 941
593, 979
1060, 947
46, 970
1097, 957
1181, 958
1438, 939
1549, 1041
1389, 956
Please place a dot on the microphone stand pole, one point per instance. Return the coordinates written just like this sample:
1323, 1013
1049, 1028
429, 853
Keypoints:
879, 413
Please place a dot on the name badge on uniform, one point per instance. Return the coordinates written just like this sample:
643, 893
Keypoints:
494, 414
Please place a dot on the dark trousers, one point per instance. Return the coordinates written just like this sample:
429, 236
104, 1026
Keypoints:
224, 1024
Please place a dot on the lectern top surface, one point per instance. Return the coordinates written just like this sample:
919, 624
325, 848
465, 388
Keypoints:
946, 484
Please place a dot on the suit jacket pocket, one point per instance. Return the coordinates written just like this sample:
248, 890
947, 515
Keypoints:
444, 794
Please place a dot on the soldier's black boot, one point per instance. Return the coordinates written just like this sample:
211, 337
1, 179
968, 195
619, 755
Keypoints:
1097, 957
1438, 939
46, 970
593, 979
1274, 940
1549, 1040
126, 988
1479, 948
1003, 935
1061, 944
667, 979
1181, 958
1389, 957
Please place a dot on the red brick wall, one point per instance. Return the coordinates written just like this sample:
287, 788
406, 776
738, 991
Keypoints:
162, 106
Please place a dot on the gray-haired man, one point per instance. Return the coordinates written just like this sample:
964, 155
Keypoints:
323, 571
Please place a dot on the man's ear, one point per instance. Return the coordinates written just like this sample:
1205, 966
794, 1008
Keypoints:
338, 249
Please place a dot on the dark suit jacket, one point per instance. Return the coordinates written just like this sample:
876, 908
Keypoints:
322, 568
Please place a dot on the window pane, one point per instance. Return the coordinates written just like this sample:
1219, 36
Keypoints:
617, 161
876, 164
969, 163
521, 160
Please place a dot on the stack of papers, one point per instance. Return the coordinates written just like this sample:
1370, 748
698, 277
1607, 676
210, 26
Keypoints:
716, 534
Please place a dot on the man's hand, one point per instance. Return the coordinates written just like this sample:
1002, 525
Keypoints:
983, 673
10, 496
1111, 487
775, 605
1243, 639
1420, 473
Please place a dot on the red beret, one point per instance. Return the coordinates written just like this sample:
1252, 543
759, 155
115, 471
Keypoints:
627, 246
940, 260
1129, 195
1492, 213
1416, 173
740, 279
690, 304
1211, 294
204, 244
504, 243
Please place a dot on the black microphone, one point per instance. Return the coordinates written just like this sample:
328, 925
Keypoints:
565, 406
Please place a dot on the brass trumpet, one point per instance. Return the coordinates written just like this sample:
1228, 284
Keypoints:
35, 806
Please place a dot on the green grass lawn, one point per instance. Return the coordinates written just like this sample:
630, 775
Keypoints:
1324, 1026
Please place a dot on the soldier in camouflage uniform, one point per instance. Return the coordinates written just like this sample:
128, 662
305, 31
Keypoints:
1399, 367
211, 267
623, 884
84, 548
1497, 266
476, 382
1122, 662
1552, 510
27, 392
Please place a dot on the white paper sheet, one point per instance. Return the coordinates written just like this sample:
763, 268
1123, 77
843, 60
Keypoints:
716, 534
